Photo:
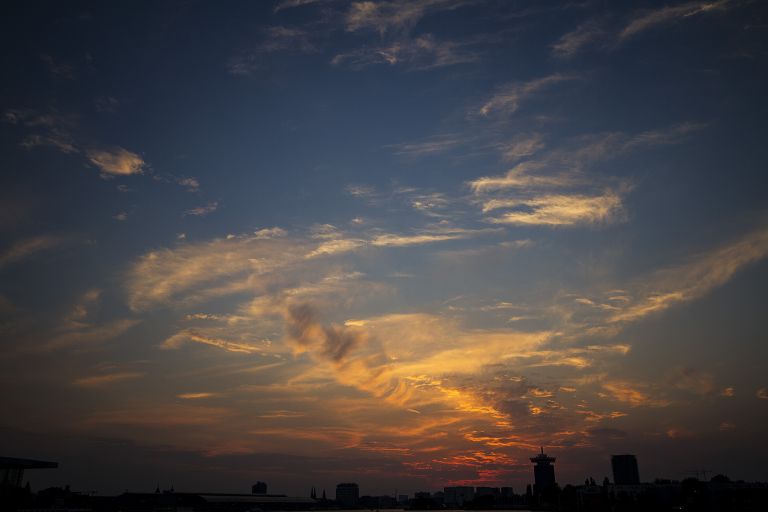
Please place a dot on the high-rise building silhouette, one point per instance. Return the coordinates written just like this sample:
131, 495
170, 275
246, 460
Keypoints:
347, 495
543, 472
625, 470
259, 488
456, 496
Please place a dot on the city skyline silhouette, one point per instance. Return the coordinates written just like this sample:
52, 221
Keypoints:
625, 493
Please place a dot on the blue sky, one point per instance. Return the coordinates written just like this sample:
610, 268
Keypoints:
401, 242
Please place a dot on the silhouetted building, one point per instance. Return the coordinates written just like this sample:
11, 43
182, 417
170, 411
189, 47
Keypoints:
487, 491
507, 495
543, 472
457, 496
625, 470
259, 488
347, 495
376, 502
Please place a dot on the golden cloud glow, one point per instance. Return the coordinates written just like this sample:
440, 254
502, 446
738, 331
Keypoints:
101, 380
116, 161
557, 210
631, 394
195, 396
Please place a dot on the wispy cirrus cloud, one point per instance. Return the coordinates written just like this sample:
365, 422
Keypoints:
607, 314
274, 232
397, 15
75, 334
196, 396
635, 394
431, 146
576, 40
194, 273
190, 336
646, 20
432, 204
94, 381
190, 183
274, 39
600, 31
80, 329
28, 247
473, 143
421, 53
521, 146
290, 4
357, 190
437, 205
695, 279
56, 129
281, 38
557, 209
553, 188
202, 211
432, 234
508, 98
166, 275
56, 139
336, 246
33, 118
58, 67
389, 240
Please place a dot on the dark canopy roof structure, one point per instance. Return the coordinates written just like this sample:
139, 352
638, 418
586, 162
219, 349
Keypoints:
12, 469
14, 463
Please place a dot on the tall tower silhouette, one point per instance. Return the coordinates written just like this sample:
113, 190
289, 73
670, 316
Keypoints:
625, 470
543, 472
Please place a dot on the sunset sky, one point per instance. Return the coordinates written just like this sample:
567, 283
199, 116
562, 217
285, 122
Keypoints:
402, 243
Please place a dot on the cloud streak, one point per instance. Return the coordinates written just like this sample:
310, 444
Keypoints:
397, 15
508, 98
104, 380
646, 20
202, 211
553, 188
424, 52
693, 280
575, 41
28, 247
558, 210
